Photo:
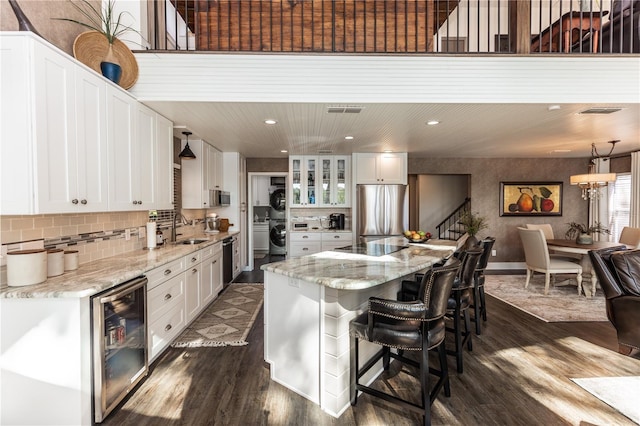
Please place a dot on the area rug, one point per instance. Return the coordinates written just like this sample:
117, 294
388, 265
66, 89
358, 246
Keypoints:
562, 304
227, 321
621, 393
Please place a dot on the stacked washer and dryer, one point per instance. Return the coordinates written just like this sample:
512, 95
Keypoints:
278, 216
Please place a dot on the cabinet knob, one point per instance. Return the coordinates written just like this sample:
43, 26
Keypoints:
336, 236
167, 271
167, 296
139, 201
135, 202
214, 262
83, 202
168, 327
305, 236
194, 270
74, 201
193, 259
305, 249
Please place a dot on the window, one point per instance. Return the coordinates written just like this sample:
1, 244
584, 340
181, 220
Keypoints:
619, 205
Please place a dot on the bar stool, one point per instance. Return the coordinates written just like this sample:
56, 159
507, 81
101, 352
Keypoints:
459, 302
478, 303
411, 326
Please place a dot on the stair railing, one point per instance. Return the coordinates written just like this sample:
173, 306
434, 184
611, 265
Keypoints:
449, 228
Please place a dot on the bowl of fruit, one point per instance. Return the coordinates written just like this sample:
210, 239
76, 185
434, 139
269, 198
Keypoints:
417, 236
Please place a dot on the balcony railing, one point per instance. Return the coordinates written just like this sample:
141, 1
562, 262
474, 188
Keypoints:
398, 26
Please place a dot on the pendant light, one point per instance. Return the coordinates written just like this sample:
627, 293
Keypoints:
186, 152
591, 182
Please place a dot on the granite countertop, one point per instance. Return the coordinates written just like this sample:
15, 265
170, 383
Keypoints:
347, 271
94, 277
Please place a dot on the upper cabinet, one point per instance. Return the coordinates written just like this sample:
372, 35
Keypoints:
335, 181
303, 173
380, 168
56, 110
131, 135
200, 174
260, 190
86, 145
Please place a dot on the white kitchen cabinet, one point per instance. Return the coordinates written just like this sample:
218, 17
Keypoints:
261, 191
211, 282
132, 152
193, 278
164, 163
332, 240
56, 110
335, 181
303, 181
381, 168
201, 174
304, 243
261, 236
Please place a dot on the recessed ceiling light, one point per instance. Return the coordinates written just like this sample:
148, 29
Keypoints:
387, 151
432, 122
561, 150
283, 151
270, 121
553, 107
349, 138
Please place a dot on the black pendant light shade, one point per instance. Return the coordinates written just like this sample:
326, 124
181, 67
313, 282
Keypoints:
186, 152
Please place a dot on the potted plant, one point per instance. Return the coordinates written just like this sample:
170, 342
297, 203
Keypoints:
473, 223
583, 233
108, 25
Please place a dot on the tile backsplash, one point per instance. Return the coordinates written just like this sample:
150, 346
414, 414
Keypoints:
94, 235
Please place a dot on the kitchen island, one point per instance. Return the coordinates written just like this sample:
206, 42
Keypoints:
309, 302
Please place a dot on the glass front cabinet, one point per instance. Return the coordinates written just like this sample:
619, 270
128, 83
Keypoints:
303, 174
334, 188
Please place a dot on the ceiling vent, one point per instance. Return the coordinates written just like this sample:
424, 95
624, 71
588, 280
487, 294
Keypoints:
344, 109
325, 151
600, 110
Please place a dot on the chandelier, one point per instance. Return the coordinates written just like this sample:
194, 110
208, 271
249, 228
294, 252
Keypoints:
591, 182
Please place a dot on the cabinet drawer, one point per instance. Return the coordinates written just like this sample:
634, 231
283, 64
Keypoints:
305, 236
164, 297
298, 249
217, 248
192, 259
207, 252
159, 275
165, 329
336, 236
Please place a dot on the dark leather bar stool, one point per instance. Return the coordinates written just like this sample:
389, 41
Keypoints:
478, 302
407, 326
459, 302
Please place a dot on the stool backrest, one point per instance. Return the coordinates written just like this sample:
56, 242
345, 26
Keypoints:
436, 286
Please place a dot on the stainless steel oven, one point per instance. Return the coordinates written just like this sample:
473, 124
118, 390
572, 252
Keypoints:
119, 343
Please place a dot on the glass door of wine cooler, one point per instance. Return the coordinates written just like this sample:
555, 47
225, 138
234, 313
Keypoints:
119, 342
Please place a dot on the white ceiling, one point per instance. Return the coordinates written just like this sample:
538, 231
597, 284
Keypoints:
465, 130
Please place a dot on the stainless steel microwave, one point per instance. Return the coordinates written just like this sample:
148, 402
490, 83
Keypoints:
219, 198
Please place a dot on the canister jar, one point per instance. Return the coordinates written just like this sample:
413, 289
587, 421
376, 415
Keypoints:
55, 262
26, 267
70, 260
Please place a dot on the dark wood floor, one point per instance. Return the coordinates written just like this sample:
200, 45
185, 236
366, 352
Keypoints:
518, 374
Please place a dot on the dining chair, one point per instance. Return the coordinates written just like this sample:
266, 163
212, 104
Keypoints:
537, 259
630, 236
549, 235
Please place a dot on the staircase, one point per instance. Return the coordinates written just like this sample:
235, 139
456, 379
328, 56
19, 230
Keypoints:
449, 228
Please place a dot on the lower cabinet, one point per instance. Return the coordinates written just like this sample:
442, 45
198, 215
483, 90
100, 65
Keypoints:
304, 243
178, 292
261, 236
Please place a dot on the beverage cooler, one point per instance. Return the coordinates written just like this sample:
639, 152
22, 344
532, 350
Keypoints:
119, 344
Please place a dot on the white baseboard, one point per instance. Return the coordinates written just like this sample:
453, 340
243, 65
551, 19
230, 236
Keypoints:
506, 265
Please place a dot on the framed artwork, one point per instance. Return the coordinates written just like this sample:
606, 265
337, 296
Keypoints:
530, 198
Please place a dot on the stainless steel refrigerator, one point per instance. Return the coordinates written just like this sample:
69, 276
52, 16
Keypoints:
382, 211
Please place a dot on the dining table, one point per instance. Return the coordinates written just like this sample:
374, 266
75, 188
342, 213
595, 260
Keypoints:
571, 246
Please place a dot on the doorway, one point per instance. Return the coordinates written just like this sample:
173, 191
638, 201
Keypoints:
268, 211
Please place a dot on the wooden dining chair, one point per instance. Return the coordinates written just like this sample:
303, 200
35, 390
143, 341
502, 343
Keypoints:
537, 259
630, 236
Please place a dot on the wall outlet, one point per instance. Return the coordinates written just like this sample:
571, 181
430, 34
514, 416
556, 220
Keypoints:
127, 234
493, 253
142, 232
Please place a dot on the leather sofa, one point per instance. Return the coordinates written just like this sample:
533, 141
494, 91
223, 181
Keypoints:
619, 276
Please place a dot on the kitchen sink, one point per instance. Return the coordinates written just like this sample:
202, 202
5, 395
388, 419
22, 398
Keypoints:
193, 241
